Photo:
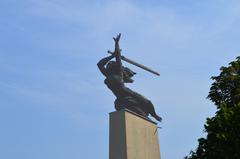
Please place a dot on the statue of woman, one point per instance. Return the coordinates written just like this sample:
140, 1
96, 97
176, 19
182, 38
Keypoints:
116, 75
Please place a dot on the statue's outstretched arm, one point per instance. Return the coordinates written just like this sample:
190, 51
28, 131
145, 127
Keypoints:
117, 53
103, 62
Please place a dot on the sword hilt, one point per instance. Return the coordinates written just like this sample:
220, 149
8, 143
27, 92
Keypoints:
110, 52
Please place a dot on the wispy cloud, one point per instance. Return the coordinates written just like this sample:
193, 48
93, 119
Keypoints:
154, 27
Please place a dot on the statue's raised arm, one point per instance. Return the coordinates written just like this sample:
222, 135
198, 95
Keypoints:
117, 53
101, 64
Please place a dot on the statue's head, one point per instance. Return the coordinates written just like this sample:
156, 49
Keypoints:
127, 73
112, 66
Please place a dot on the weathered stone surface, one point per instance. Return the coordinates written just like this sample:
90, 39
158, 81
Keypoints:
132, 136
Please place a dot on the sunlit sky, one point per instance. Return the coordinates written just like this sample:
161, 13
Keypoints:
53, 102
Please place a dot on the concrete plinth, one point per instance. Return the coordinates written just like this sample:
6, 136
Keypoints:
132, 136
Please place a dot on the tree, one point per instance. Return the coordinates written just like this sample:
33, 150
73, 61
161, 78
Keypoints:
226, 86
223, 130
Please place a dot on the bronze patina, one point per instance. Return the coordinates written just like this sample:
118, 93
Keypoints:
116, 77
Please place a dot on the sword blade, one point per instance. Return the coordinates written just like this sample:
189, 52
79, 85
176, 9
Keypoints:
139, 65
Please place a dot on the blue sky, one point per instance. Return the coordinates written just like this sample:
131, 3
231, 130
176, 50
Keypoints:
53, 103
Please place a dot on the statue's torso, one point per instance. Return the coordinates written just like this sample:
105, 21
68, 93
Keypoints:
116, 85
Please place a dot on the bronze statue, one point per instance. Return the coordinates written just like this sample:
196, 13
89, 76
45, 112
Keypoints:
116, 75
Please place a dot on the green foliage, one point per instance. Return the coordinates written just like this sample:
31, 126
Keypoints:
226, 86
223, 130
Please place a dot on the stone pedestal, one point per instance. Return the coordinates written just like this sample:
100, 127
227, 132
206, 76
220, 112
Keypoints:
132, 136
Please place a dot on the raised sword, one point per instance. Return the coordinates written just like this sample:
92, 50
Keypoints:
137, 64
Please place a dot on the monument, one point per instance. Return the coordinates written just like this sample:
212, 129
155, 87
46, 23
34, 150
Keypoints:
133, 135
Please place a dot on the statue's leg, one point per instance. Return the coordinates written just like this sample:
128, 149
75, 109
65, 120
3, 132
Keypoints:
152, 111
144, 103
118, 105
130, 104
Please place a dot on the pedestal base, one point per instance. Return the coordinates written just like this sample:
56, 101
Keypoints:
132, 136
